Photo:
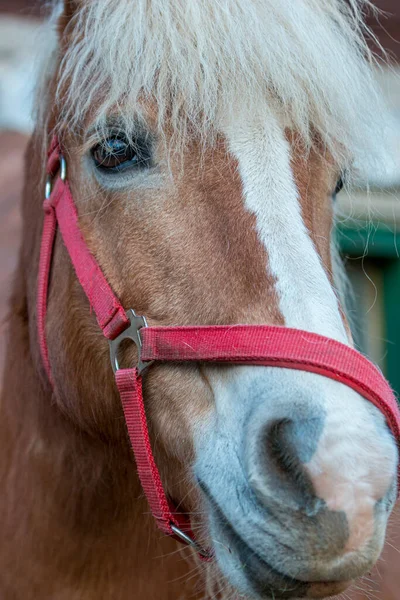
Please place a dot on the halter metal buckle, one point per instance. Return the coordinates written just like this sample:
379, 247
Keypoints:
50, 178
130, 333
184, 537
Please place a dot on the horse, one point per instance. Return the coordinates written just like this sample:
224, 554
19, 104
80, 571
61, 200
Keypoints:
202, 143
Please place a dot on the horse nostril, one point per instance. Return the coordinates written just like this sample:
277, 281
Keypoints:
285, 445
281, 447
292, 443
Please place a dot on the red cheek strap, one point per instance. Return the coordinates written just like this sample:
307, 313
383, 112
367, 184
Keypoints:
231, 344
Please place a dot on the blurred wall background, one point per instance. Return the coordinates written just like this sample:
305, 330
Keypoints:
368, 231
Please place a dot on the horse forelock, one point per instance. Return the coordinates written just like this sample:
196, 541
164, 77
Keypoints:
200, 61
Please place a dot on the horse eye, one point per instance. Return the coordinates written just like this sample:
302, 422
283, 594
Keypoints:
115, 154
339, 186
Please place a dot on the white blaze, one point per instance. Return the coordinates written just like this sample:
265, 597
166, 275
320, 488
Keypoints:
306, 298
307, 301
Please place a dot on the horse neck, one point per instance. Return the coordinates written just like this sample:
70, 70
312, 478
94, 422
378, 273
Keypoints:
74, 513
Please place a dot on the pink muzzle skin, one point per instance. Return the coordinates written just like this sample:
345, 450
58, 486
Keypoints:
234, 344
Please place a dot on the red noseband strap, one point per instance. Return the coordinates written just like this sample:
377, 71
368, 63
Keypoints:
266, 345
235, 344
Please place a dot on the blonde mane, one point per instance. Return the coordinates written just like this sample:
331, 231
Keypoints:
207, 61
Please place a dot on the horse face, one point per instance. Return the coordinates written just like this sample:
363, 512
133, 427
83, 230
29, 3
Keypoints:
295, 474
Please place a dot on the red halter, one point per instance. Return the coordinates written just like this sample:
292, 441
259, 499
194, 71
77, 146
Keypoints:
237, 344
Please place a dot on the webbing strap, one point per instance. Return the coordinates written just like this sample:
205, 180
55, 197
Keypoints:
267, 345
46, 253
129, 384
110, 314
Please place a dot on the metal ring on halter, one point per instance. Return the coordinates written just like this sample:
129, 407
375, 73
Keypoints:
130, 333
50, 178
189, 541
